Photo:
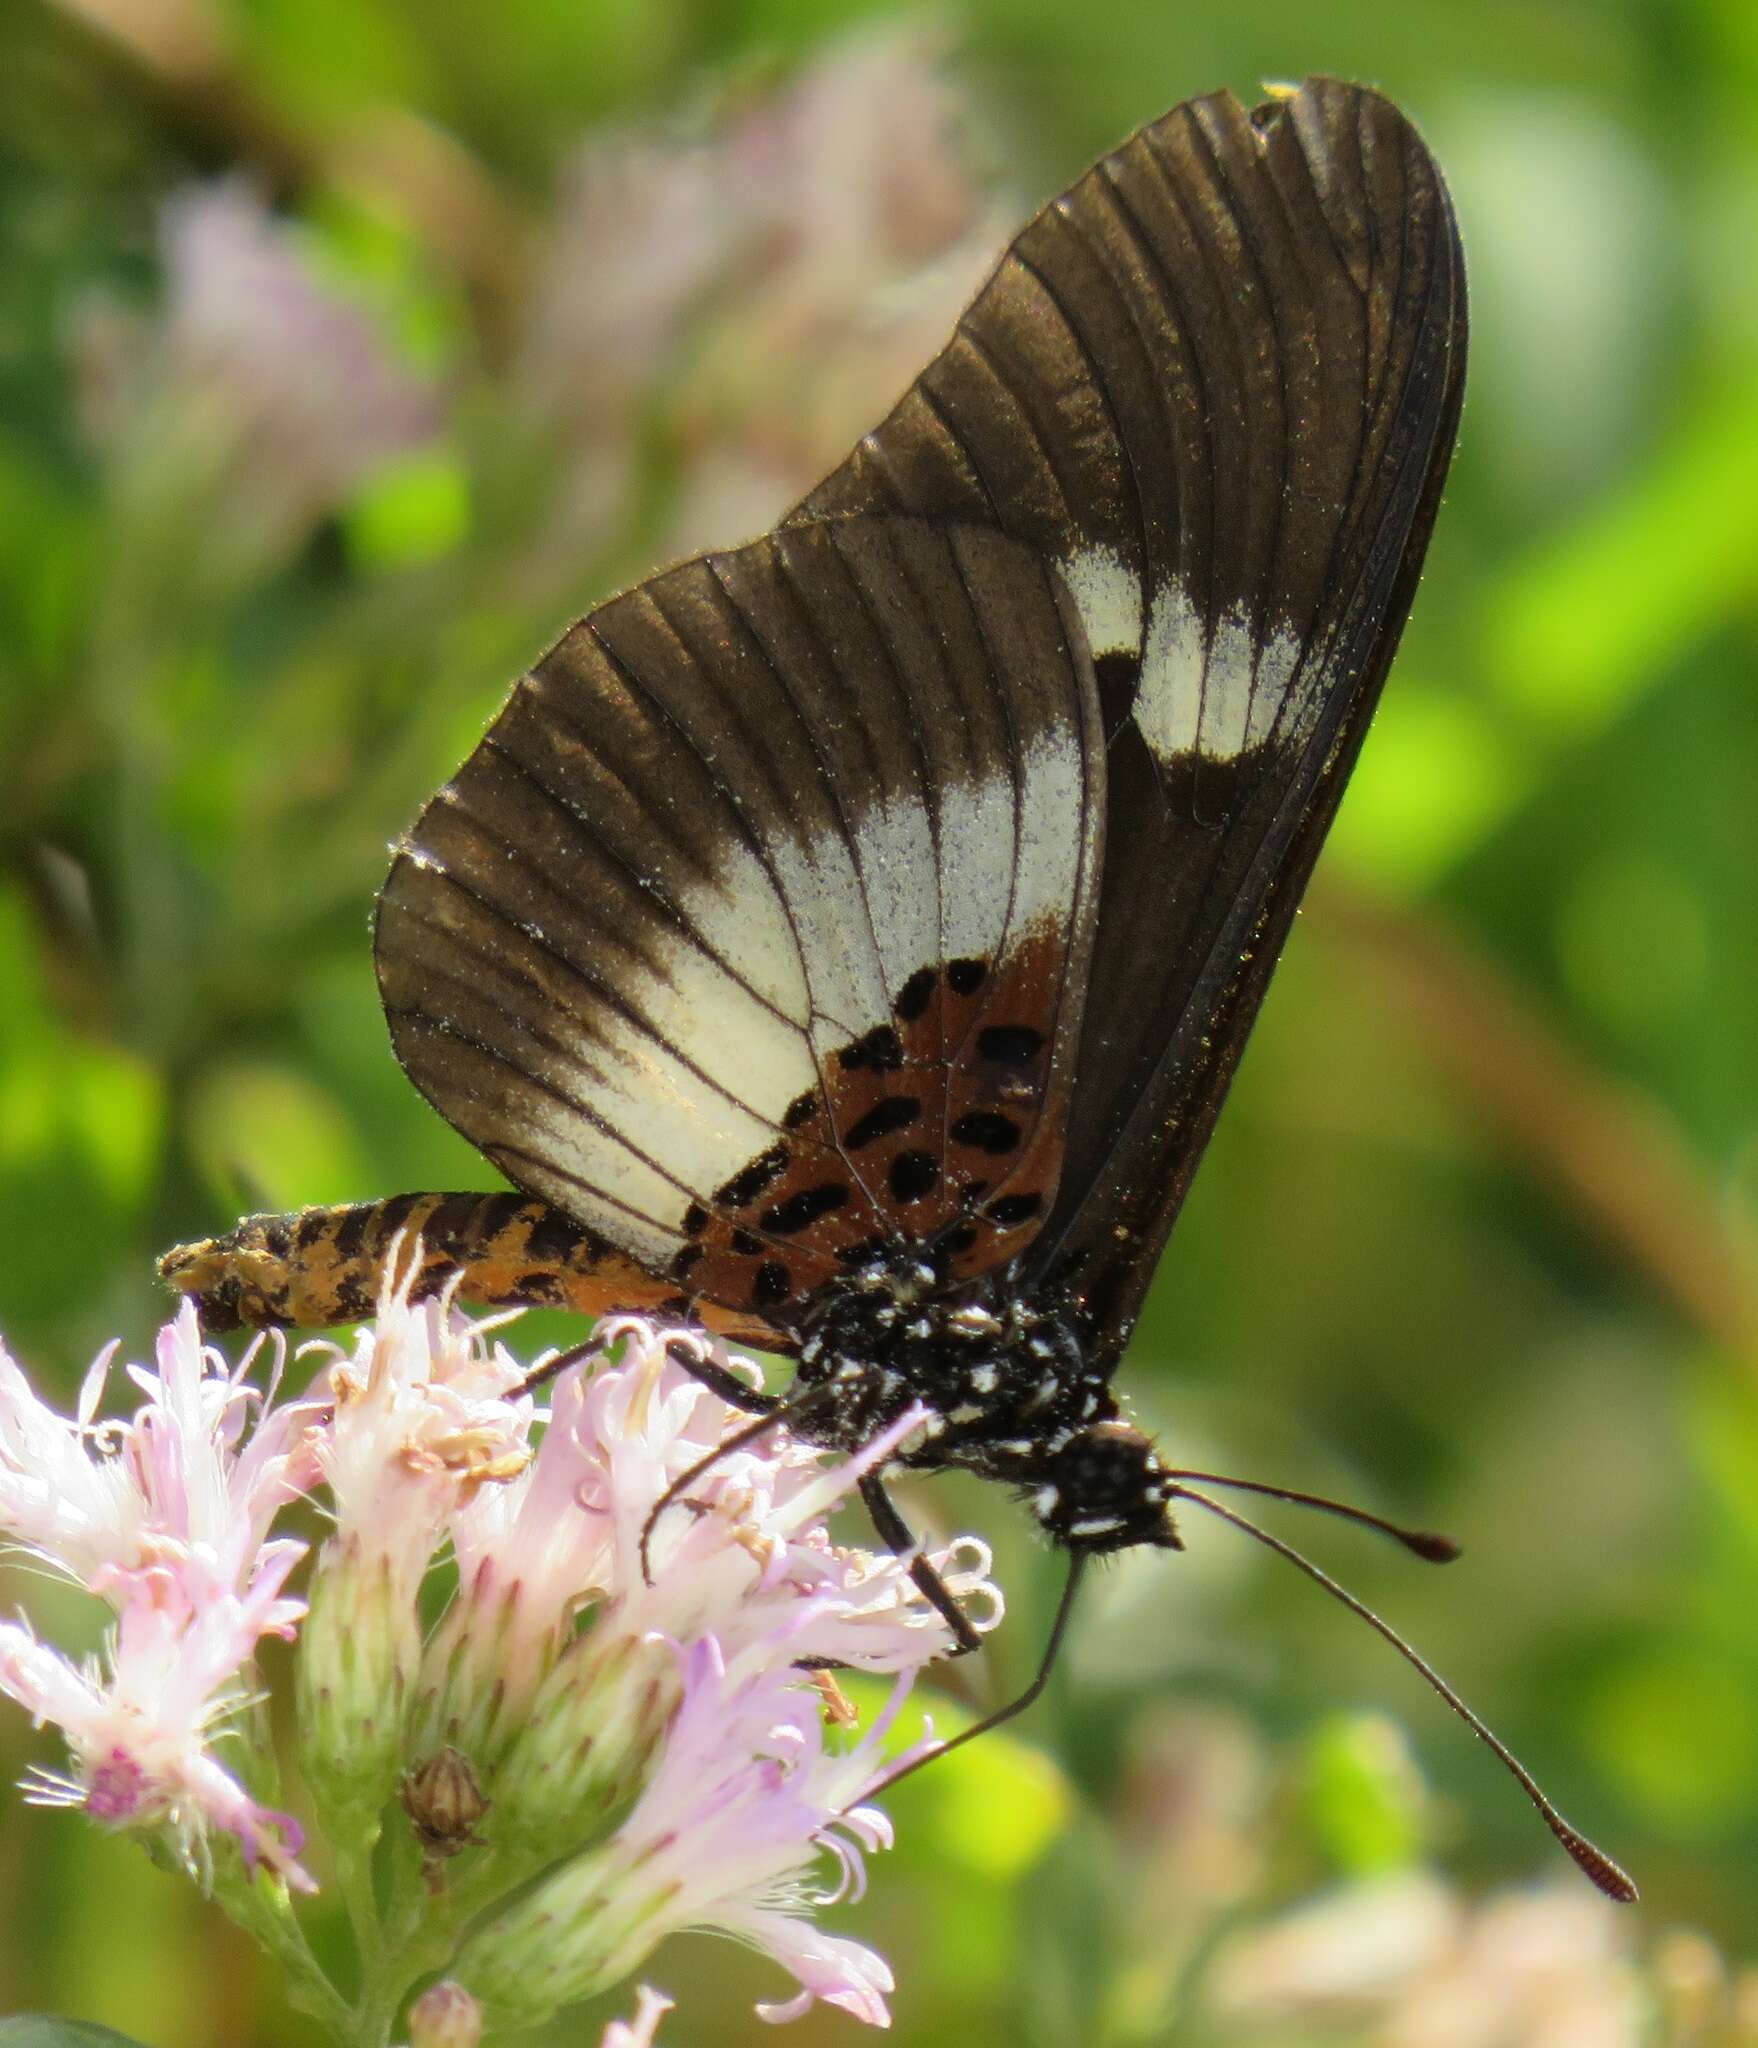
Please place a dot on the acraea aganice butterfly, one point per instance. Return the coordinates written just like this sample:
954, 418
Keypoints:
847, 940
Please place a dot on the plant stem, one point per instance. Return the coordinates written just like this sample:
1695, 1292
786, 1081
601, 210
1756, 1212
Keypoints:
262, 1908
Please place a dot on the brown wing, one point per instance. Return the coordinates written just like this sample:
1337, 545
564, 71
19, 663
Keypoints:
1217, 382
755, 933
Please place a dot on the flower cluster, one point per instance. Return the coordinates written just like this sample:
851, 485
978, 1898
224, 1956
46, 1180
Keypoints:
166, 1519
258, 396
756, 292
613, 1731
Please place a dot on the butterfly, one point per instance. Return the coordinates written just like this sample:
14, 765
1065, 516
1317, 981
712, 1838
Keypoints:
848, 939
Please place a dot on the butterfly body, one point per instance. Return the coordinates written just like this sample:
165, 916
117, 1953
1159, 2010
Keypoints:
847, 940
1006, 1386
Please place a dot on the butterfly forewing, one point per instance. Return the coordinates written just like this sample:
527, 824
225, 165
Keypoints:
1217, 383
755, 933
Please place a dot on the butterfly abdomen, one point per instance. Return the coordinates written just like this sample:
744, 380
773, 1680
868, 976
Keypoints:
323, 1266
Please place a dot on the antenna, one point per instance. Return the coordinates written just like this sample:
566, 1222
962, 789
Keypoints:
1077, 1564
1428, 1544
1593, 1862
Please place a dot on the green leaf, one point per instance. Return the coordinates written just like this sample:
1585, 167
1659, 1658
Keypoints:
275, 1133
1436, 779
1362, 1796
1604, 611
994, 1806
38, 2030
410, 511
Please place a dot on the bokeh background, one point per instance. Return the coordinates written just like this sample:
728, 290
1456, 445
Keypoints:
349, 348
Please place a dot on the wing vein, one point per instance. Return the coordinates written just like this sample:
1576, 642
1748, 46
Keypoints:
676, 920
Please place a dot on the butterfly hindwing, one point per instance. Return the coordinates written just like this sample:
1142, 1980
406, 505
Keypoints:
1217, 382
756, 931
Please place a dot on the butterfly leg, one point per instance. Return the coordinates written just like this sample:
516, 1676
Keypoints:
772, 1416
894, 1533
735, 1392
1077, 1564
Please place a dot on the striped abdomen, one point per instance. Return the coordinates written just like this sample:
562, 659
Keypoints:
324, 1266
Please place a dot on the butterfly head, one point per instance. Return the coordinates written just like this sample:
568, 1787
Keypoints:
1106, 1489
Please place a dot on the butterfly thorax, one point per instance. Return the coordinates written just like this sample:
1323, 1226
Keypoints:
1007, 1388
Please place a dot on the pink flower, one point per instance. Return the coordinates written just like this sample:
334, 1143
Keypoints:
567, 1719
636, 1706
758, 294
419, 1422
743, 1796
747, 1800
863, 234
187, 1485
650, 2008
259, 392
754, 1547
744, 1805
166, 1517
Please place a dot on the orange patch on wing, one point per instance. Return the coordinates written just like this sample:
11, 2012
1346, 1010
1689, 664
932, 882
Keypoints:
942, 1125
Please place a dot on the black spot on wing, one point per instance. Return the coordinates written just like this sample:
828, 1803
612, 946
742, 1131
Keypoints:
751, 1180
879, 1051
1010, 1045
916, 994
800, 1211
894, 1113
688, 1255
987, 1130
772, 1285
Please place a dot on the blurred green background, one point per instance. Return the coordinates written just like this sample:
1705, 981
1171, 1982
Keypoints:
349, 348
